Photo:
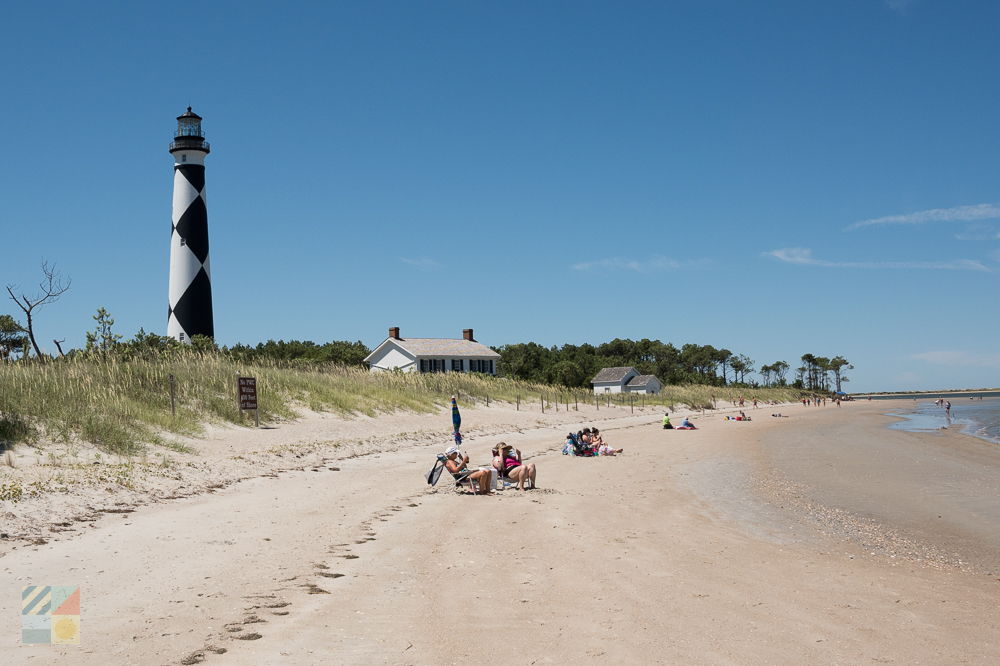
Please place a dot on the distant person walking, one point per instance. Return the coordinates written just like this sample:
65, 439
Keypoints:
947, 407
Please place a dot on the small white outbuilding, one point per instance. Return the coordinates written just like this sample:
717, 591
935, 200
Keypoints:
625, 380
433, 355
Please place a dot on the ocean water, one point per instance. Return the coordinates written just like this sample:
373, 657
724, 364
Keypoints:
975, 417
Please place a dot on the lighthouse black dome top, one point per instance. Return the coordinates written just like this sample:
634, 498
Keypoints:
189, 135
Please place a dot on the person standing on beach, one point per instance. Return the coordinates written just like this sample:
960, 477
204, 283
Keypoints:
947, 407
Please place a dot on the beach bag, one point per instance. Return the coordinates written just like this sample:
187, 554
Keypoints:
435, 473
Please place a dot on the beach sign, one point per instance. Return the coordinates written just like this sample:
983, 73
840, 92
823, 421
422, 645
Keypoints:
248, 393
247, 387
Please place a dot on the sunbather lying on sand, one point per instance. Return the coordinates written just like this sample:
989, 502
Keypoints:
459, 469
508, 463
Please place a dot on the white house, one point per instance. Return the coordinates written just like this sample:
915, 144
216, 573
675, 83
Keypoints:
625, 380
433, 355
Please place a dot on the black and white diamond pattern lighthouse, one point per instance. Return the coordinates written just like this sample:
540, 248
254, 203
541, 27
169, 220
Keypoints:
190, 274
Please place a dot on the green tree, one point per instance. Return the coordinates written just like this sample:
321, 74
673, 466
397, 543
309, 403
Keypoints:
12, 338
103, 339
837, 366
779, 368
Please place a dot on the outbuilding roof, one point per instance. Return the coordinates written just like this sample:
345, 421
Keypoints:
642, 380
611, 375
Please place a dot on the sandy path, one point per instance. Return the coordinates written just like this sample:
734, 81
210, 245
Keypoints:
636, 559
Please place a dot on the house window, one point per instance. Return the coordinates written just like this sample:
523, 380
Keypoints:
607, 389
484, 366
432, 365
183, 241
456, 365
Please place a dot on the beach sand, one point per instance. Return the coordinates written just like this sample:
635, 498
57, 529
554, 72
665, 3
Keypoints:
782, 541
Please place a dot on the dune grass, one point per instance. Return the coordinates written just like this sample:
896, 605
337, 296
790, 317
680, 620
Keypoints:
120, 406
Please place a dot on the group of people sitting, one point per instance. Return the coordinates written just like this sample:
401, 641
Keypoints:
506, 462
588, 442
741, 417
685, 424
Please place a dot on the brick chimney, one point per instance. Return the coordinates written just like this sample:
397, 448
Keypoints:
394, 332
467, 334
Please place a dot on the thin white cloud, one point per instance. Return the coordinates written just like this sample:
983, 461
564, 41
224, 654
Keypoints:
957, 214
979, 232
959, 358
899, 5
422, 263
651, 266
801, 256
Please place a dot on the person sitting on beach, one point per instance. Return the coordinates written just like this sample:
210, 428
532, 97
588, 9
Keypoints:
666, 421
603, 447
459, 470
744, 417
686, 423
511, 467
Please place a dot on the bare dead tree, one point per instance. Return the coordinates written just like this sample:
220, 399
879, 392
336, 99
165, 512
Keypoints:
52, 288
59, 346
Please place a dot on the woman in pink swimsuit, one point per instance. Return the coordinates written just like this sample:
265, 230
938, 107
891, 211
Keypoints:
508, 462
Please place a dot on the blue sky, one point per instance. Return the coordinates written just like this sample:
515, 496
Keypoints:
774, 178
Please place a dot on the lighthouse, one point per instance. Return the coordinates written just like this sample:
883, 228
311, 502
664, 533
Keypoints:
190, 295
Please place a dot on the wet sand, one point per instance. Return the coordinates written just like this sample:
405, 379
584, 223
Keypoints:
739, 543
940, 491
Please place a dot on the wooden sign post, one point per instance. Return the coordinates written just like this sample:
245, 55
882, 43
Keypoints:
248, 397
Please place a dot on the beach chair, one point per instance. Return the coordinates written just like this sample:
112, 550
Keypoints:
461, 479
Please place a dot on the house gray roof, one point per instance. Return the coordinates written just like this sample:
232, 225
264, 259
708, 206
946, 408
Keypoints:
641, 380
611, 375
445, 347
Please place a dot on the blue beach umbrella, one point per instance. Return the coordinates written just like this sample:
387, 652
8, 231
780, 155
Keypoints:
456, 419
